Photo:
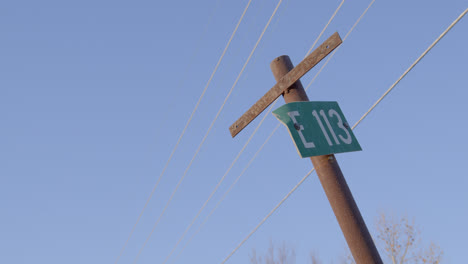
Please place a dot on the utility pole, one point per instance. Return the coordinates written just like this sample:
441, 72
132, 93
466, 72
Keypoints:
333, 182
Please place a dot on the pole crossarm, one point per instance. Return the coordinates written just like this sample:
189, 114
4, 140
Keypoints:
285, 82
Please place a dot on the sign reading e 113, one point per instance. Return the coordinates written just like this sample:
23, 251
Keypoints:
317, 128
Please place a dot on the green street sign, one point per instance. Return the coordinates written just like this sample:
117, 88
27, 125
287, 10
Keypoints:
317, 128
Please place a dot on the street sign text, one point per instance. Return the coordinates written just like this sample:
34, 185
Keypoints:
317, 128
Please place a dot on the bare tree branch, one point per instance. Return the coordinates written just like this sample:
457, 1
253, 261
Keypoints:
397, 239
314, 259
279, 255
400, 241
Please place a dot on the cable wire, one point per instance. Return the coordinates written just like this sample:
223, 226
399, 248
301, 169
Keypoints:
182, 81
276, 128
345, 37
229, 189
183, 131
248, 141
208, 132
210, 196
225, 195
412, 66
354, 126
324, 28
268, 215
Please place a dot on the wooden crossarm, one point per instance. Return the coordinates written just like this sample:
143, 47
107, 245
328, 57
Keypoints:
284, 83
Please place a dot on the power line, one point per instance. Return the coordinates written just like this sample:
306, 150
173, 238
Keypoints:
354, 126
208, 132
268, 215
209, 198
183, 131
412, 66
345, 37
248, 141
227, 192
274, 130
324, 28
188, 66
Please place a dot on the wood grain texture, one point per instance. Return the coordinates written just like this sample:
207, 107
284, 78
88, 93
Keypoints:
285, 82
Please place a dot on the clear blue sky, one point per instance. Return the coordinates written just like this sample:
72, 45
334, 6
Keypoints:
94, 94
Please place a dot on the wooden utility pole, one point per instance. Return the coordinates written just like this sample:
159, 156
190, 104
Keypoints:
338, 193
333, 182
